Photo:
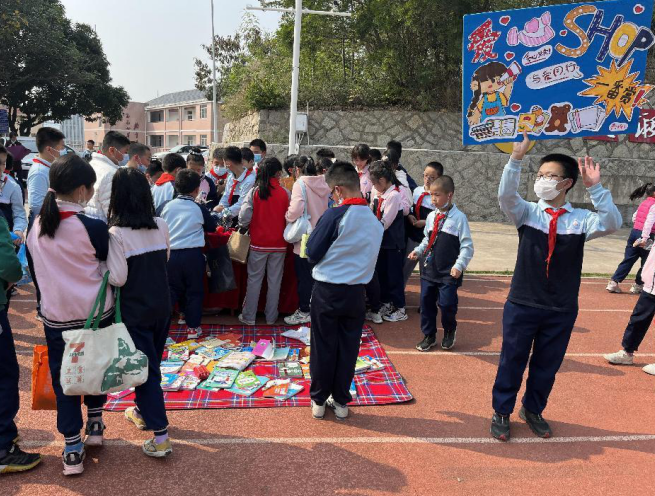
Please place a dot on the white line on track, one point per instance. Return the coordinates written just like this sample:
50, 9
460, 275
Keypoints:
492, 353
600, 310
20, 300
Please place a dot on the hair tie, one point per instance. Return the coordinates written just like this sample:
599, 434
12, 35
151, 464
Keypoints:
50, 190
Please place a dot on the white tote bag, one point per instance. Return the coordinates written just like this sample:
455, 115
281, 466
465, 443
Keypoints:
100, 361
295, 230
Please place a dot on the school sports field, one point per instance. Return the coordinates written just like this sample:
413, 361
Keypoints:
602, 417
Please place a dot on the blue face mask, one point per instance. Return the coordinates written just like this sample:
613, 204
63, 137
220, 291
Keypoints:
126, 159
142, 168
258, 157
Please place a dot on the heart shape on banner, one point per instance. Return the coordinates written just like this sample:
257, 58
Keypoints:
515, 107
509, 55
505, 20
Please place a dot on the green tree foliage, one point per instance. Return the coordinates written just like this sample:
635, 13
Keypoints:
51, 69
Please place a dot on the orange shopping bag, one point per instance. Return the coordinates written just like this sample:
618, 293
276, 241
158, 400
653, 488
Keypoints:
43, 396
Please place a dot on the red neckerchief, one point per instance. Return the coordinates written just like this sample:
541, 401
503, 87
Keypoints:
66, 215
378, 213
419, 203
234, 186
213, 173
39, 161
165, 178
354, 201
436, 229
552, 233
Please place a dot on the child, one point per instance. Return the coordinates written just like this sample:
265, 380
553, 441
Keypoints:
138, 253
258, 148
263, 212
397, 146
310, 192
376, 154
187, 222
164, 189
642, 230
208, 195
238, 184
290, 169
50, 144
361, 157
248, 159
325, 153
415, 221
343, 246
218, 172
488, 99
154, 172
322, 165
542, 305
392, 157
448, 249
11, 201
69, 250
12, 458
388, 208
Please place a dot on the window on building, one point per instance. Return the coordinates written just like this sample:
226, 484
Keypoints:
156, 116
190, 113
156, 140
173, 140
173, 115
203, 140
203, 111
189, 139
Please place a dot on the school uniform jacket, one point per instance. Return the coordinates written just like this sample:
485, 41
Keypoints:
266, 218
558, 289
392, 218
69, 267
162, 193
187, 222
422, 206
453, 247
137, 260
208, 192
245, 182
345, 245
11, 203
38, 182
105, 169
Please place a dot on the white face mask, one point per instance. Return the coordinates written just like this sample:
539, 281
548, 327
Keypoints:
546, 189
82, 202
220, 170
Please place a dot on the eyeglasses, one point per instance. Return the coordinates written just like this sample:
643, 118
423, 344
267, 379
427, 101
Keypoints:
548, 176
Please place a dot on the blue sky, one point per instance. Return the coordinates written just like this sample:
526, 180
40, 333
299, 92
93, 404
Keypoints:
151, 44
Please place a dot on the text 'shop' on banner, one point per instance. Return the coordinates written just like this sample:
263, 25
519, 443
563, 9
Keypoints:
563, 71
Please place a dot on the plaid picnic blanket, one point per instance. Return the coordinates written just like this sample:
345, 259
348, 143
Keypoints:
380, 387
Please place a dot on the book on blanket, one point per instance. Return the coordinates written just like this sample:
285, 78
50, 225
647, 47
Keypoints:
276, 387
373, 363
294, 389
244, 386
280, 354
220, 353
171, 382
293, 355
264, 348
230, 340
170, 367
238, 360
290, 369
178, 353
361, 365
353, 389
189, 383
220, 378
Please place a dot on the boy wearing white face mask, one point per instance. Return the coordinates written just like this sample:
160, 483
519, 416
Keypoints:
447, 249
542, 305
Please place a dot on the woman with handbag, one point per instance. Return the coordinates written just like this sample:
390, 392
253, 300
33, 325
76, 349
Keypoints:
263, 213
139, 248
68, 249
309, 201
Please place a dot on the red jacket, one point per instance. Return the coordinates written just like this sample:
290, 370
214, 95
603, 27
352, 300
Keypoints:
266, 218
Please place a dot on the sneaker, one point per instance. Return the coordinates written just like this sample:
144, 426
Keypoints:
131, 415
161, 450
194, 333
73, 462
318, 411
39, 318
181, 320
386, 309
94, 432
244, 321
16, 460
649, 369
427, 343
620, 358
374, 317
536, 423
500, 427
341, 411
613, 287
636, 288
298, 317
449, 339
397, 315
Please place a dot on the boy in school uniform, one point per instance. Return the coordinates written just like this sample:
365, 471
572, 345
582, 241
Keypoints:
11, 201
447, 248
237, 186
344, 247
542, 305
258, 147
50, 144
164, 188
187, 223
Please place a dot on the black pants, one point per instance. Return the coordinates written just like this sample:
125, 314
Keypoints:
305, 282
631, 255
337, 313
640, 321
443, 295
373, 293
389, 267
9, 374
186, 271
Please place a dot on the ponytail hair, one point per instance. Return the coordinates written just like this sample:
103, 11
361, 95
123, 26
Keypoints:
67, 173
306, 165
487, 72
382, 169
647, 189
267, 170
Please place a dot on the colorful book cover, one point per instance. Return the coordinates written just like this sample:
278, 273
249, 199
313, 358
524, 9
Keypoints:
361, 365
211, 342
246, 379
248, 391
221, 378
294, 355
170, 366
206, 352
290, 369
238, 360
211, 365
265, 348
171, 382
293, 390
220, 353
353, 389
189, 383
169, 341
178, 353
190, 344
305, 371
374, 364
280, 354
230, 340
277, 387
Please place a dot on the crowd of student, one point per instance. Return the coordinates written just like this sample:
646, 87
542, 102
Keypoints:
371, 224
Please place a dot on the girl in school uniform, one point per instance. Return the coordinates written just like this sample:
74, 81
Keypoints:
263, 211
139, 248
388, 208
68, 249
361, 157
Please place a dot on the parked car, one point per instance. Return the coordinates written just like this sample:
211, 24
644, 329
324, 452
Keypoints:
182, 150
30, 144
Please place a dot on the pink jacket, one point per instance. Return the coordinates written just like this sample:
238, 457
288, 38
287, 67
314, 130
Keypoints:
645, 217
317, 201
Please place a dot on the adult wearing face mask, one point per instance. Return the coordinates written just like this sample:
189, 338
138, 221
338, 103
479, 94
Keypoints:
139, 157
114, 154
258, 148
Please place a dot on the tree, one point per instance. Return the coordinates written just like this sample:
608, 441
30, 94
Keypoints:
52, 69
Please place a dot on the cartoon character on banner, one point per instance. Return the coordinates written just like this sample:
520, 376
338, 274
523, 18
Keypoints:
492, 86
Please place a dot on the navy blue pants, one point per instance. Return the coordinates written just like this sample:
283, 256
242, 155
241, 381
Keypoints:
389, 267
640, 321
373, 293
631, 255
337, 313
69, 410
151, 340
443, 295
547, 334
186, 271
305, 282
9, 374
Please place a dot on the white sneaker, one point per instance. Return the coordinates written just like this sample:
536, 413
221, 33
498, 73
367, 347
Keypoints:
398, 315
341, 411
374, 317
649, 369
318, 411
298, 318
194, 333
613, 287
181, 320
244, 321
636, 288
620, 358
386, 309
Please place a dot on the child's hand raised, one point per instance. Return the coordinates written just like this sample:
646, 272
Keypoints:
456, 273
590, 172
413, 256
521, 148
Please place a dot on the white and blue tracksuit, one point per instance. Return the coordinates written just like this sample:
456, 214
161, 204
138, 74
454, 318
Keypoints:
542, 305
11, 203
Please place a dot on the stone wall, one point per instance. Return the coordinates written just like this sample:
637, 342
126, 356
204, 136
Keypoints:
428, 136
